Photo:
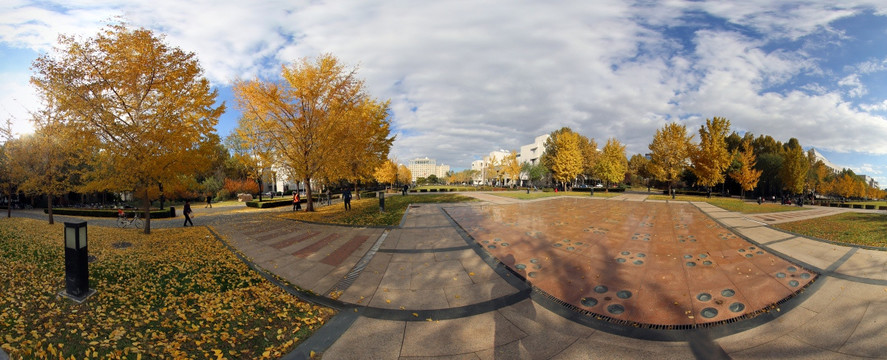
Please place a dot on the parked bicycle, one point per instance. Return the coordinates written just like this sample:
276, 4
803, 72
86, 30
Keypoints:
124, 220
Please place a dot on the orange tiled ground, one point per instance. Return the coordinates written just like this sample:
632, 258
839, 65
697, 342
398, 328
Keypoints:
649, 263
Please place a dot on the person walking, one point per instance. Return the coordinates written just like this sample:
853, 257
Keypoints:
329, 197
187, 212
209, 202
346, 197
297, 201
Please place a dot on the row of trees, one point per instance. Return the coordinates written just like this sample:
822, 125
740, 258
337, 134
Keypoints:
124, 112
720, 157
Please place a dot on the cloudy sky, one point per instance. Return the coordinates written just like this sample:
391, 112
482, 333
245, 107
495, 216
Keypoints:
469, 77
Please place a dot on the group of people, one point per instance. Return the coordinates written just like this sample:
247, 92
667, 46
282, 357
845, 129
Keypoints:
346, 198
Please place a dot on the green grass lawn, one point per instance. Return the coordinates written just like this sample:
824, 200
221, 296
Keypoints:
731, 204
849, 227
177, 293
366, 211
522, 195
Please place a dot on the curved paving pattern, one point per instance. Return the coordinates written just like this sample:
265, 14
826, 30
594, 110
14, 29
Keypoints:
641, 264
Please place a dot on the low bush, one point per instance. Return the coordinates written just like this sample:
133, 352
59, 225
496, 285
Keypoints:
870, 207
107, 213
270, 203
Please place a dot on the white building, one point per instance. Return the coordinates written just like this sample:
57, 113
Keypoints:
531, 153
425, 167
484, 168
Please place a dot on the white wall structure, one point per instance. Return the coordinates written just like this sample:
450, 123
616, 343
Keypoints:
531, 153
424, 167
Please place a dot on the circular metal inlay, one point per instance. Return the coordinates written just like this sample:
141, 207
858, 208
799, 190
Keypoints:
780, 275
688, 256
805, 276
533, 261
578, 243
728, 293
623, 294
737, 307
709, 313
570, 248
691, 264
638, 262
566, 240
558, 245
620, 260
520, 266
588, 301
625, 253
496, 239
486, 241
491, 246
703, 256
741, 250
537, 267
794, 283
616, 309
707, 262
703, 297
760, 252
504, 244
600, 289
532, 274
751, 247
748, 255
792, 269
640, 255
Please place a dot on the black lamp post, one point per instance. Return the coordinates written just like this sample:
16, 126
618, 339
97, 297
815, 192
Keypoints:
76, 262
381, 201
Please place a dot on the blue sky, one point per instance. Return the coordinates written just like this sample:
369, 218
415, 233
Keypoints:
467, 78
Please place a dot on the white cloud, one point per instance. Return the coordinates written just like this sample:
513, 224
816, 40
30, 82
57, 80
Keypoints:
851, 81
469, 77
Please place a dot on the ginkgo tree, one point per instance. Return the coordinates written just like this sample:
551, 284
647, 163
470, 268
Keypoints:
612, 165
145, 110
319, 119
669, 152
256, 153
512, 168
387, 172
9, 179
710, 159
747, 176
563, 156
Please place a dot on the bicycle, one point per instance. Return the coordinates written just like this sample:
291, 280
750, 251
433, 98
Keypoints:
124, 221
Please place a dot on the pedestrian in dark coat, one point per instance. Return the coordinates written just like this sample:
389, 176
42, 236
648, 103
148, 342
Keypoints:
187, 212
346, 197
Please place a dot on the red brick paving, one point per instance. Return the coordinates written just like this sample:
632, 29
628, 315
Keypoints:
295, 239
342, 253
310, 249
663, 264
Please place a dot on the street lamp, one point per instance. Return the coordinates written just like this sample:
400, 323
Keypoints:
76, 262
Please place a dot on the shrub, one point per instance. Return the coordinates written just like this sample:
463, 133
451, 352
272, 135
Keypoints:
106, 213
270, 203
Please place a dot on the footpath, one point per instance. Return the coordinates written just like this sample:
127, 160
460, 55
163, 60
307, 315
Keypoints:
421, 291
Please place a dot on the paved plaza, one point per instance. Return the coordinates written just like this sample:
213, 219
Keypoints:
572, 278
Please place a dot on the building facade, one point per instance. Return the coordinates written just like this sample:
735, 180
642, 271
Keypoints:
425, 167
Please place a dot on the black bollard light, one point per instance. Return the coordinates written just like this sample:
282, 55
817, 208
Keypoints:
76, 262
381, 201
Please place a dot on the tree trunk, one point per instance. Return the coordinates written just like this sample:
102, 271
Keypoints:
356, 189
147, 208
310, 205
160, 186
49, 208
261, 189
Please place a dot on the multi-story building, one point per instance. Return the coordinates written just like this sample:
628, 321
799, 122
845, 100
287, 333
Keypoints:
425, 167
531, 153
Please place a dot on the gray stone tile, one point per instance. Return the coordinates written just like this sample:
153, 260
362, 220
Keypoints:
831, 328
368, 339
397, 276
791, 322
616, 347
410, 299
535, 319
535, 346
439, 275
868, 340
477, 293
459, 336
786, 348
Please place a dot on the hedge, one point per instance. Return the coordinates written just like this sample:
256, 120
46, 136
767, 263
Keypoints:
870, 207
270, 203
107, 213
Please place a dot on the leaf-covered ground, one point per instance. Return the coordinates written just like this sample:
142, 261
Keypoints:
522, 195
734, 204
366, 211
849, 227
177, 293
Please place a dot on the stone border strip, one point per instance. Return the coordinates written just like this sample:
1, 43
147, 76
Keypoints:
361, 264
424, 251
